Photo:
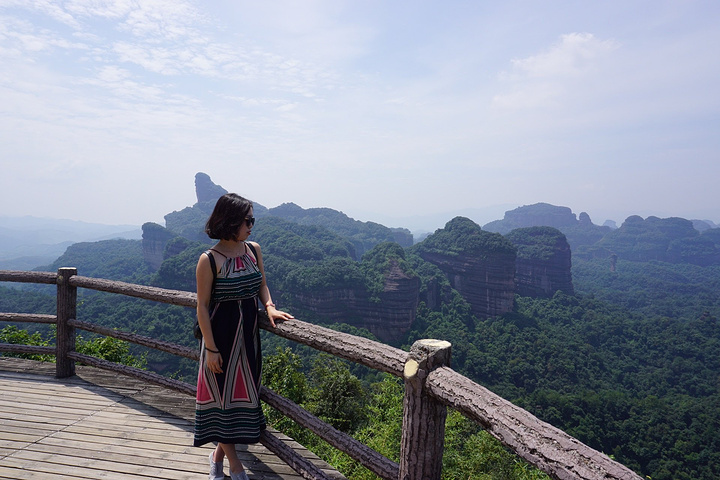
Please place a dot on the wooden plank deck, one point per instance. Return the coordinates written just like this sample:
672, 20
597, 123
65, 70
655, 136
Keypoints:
100, 425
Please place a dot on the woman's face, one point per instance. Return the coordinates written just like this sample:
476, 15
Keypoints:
246, 228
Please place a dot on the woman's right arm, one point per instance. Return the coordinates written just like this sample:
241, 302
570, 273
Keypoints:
204, 278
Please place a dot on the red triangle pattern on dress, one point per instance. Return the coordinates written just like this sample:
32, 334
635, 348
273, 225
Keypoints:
240, 391
203, 389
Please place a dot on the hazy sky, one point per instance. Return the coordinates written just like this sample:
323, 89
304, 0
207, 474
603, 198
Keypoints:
108, 109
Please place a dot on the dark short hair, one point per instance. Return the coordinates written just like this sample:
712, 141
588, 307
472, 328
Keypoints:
227, 217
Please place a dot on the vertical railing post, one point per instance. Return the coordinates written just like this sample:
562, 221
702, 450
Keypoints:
66, 309
423, 435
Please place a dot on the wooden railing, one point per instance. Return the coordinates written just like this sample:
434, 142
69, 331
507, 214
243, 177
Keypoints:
430, 387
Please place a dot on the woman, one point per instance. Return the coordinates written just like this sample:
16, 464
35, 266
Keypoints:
228, 409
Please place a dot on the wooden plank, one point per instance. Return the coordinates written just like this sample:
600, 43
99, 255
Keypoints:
96, 425
19, 437
45, 412
34, 393
29, 418
131, 434
91, 468
104, 443
13, 473
266, 464
80, 441
12, 444
26, 428
132, 412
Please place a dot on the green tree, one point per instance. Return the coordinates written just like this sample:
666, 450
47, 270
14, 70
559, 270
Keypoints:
14, 335
337, 396
110, 349
282, 373
106, 348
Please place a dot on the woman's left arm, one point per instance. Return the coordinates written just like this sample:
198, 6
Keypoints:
264, 294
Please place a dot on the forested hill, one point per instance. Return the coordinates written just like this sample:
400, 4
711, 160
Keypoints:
673, 240
189, 222
624, 354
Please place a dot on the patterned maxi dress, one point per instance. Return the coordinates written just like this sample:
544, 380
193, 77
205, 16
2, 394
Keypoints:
228, 406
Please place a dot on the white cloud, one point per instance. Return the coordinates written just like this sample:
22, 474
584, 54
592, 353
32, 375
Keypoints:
481, 103
574, 55
543, 79
22, 38
45, 7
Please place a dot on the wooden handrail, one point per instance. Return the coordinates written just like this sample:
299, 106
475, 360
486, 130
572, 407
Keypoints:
28, 277
429, 384
539, 443
138, 373
164, 295
28, 349
375, 355
28, 318
168, 347
372, 460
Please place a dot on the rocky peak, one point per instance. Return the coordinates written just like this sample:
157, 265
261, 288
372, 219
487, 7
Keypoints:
584, 220
543, 264
154, 239
538, 214
206, 190
479, 265
673, 240
387, 309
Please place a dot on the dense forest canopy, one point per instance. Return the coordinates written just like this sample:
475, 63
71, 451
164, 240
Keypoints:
363, 235
535, 242
628, 364
463, 235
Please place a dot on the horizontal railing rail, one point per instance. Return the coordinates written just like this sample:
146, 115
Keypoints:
28, 318
430, 387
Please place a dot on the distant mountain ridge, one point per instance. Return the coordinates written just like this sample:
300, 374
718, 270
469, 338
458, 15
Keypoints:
27, 242
354, 277
672, 240
190, 222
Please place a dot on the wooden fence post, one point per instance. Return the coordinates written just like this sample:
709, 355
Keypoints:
423, 435
66, 310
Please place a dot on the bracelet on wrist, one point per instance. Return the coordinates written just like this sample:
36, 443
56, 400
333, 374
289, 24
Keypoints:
211, 350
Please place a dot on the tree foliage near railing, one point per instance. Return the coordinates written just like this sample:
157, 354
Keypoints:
106, 348
37, 300
17, 336
336, 396
332, 393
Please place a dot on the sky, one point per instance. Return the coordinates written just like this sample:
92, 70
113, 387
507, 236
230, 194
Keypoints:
390, 111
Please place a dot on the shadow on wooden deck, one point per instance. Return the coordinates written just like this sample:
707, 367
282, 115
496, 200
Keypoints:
100, 425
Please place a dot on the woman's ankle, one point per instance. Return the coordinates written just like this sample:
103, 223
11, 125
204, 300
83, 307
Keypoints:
218, 456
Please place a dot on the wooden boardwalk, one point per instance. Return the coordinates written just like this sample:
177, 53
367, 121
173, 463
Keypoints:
100, 425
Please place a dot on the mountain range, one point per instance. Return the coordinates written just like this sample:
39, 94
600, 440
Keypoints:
27, 242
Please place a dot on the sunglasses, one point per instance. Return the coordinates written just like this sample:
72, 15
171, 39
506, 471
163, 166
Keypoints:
249, 221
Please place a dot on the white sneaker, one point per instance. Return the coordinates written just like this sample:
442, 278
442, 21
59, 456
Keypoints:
216, 469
